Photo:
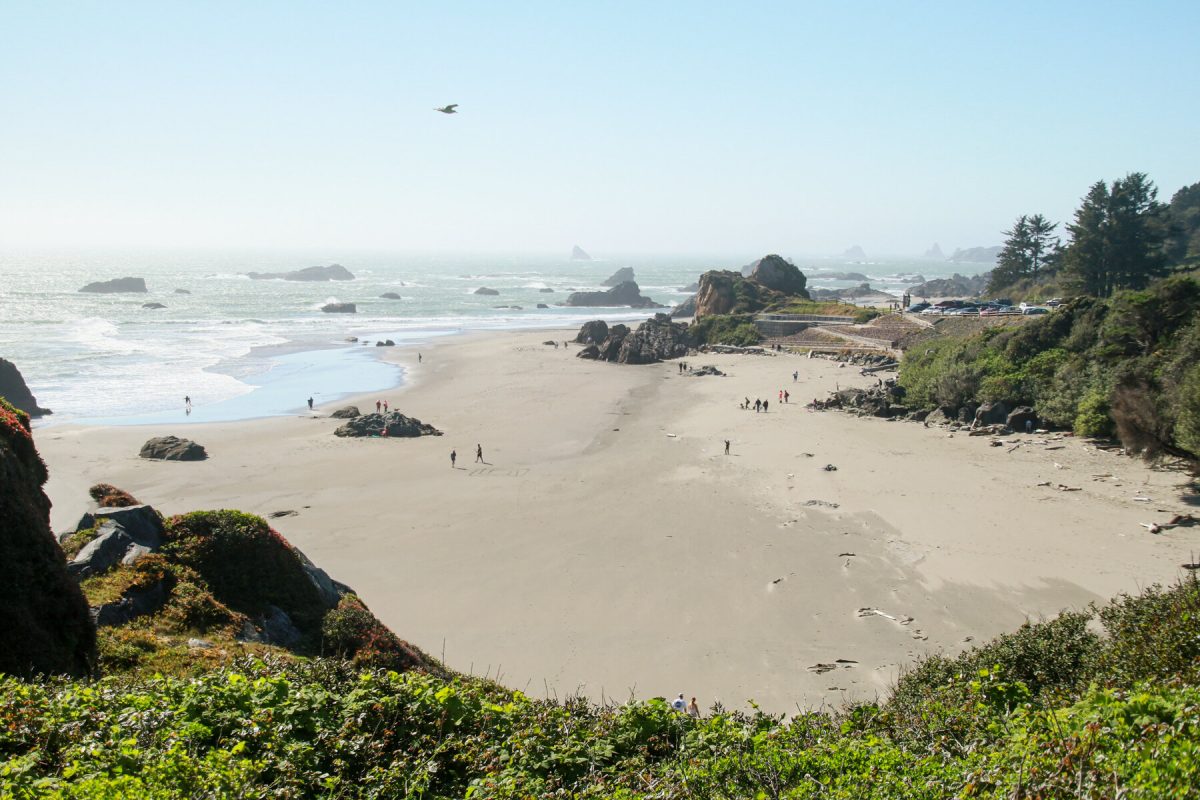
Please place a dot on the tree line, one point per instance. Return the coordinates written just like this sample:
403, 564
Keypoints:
1120, 237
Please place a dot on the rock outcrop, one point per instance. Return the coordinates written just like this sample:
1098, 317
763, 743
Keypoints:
775, 273
486, 291
153, 305
685, 309
46, 628
14, 390
592, 332
172, 448
334, 272
977, 255
1021, 418
182, 291
855, 252
769, 281
577, 254
122, 536
620, 276
389, 296
992, 414
845, 276
954, 286
340, 308
623, 294
546, 290
392, 425
935, 252
117, 286
348, 412
542, 305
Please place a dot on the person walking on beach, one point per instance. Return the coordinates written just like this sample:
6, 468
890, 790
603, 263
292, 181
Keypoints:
786, 395
453, 458
187, 401
726, 447
479, 453
781, 395
418, 358
310, 404
757, 405
385, 406
679, 704
693, 710
795, 376
765, 405
377, 405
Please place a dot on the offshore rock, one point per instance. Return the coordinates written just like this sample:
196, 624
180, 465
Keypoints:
623, 294
14, 390
334, 272
775, 273
116, 285
619, 277
340, 308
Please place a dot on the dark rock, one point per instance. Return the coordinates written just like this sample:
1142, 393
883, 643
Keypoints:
991, 413
110, 547
141, 522
846, 276
340, 308
352, 339
919, 415
274, 627
691, 287
610, 348
591, 351
705, 370
182, 291
45, 628
153, 305
592, 332
542, 305
279, 514
349, 412
620, 276
486, 291
385, 343
172, 448
389, 296
623, 294
729, 292
775, 273
685, 309
941, 416
135, 602
656, 339
966, 414
334, 272
855, 252
116, 286
14, 390
392, 424
325, 586
1019, 418
546, 291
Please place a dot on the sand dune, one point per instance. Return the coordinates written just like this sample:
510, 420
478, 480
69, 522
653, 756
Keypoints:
609, 546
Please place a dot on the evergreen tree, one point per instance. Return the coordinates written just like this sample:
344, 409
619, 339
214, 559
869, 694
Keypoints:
1043, 244
1029, 246
1117, 237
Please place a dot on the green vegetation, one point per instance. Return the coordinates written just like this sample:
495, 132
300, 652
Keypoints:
1128, 365
734, 329
819, 307
1052, 710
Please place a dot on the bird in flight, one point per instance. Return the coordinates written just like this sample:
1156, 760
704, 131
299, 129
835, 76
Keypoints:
448, 109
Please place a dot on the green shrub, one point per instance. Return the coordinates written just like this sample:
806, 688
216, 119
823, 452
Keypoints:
1092, 418
732, 329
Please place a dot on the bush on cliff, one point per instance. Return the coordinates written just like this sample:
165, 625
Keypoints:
732, 329
46, 628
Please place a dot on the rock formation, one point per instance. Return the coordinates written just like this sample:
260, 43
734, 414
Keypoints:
334, 272
846, 276
122, 536
542, 305
389, 296
775, 273
954, 286
392, 425
977, 255
623, 294
14, 390
592, 332
656, 339
153, 305
116, 285
620, 276
855, 252
935, 252
485, 290
340, 308
577, 254
348, 412
172, 448
685, 309
767, 282
46, 627
546, 290
182, 291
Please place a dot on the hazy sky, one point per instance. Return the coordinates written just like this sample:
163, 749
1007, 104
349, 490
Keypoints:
625, 127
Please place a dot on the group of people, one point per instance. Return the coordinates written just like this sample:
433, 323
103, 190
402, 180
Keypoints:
478, 456
757, 405
691, 709
379, 404
683, 367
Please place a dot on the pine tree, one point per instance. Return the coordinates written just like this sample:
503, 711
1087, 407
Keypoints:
1117, 237
1042, 243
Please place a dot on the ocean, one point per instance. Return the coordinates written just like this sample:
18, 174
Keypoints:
243, 348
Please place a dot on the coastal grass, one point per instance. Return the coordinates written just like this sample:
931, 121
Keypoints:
1099, 703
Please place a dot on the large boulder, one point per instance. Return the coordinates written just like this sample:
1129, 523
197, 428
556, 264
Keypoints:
135, 602
123, 535
153, 306
486, 291
610, 348
620, 276
1020, 417
592, 332
392, 424
46, 628
172, 448
141, 522
623, 294
334, 272
654, 340
991, 413
590, 352
116, 286
775, 273
14, 390
389, 296
349, 412
340, 308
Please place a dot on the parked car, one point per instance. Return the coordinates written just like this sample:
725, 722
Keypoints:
932, 311
916, 308
1035, 310
1054, 302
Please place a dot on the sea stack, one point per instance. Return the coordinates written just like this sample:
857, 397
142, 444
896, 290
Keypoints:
578, 254
14, 390
116, 286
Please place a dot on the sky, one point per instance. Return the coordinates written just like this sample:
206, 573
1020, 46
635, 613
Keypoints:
641, 127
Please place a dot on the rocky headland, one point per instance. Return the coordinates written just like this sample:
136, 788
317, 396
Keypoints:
333, 272
117, 286
14, 389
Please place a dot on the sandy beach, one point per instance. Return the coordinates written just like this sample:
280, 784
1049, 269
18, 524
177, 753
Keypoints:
609, 546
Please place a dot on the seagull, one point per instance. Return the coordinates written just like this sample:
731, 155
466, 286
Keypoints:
448, 109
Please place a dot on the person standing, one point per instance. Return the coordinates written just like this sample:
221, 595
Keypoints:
453, 458
385, 406
479, 453
765, 405
693, 710
418, 358
310, 404
679, 704
187, 401
377, 405
795, 376
726, 447
786, 395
